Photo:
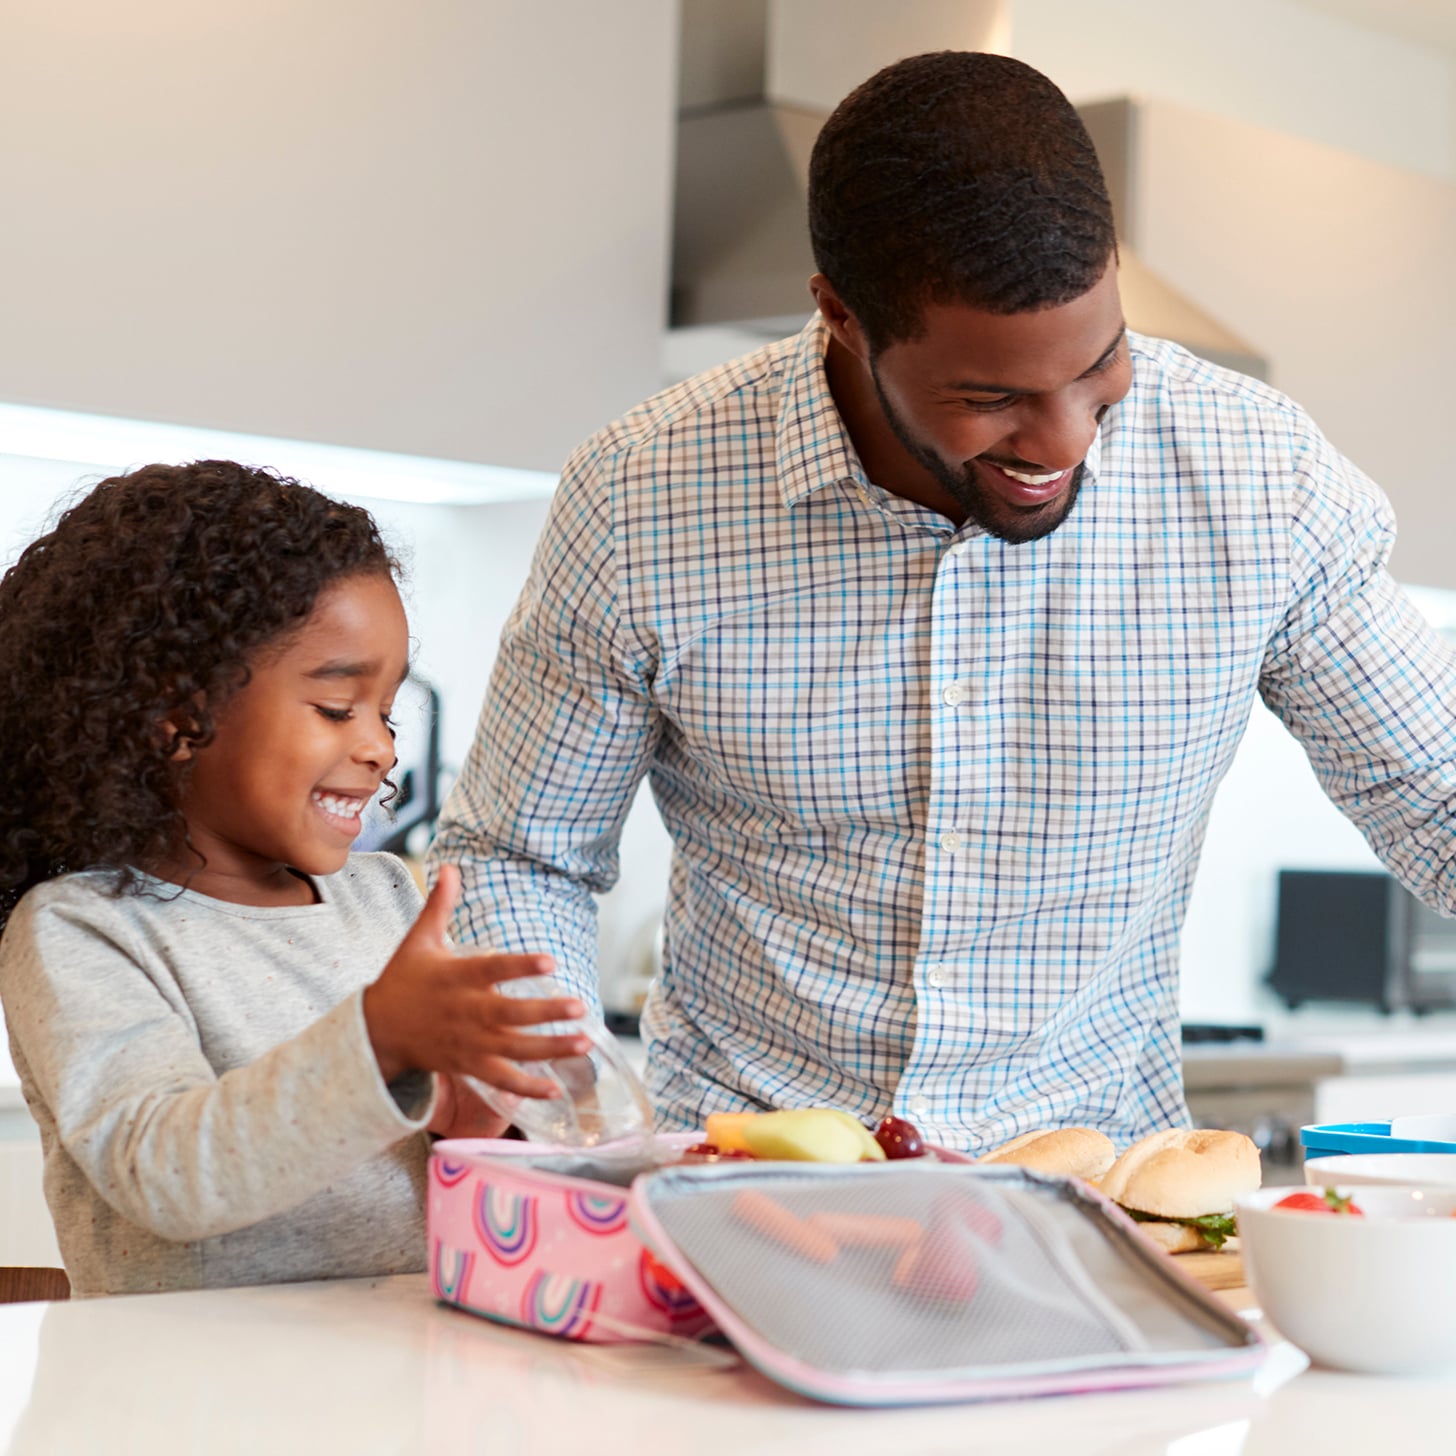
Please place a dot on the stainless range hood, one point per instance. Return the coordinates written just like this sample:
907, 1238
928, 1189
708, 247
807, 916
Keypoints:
740, 238
741, 255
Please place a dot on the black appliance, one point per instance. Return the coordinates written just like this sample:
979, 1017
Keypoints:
1362, 937
405, 825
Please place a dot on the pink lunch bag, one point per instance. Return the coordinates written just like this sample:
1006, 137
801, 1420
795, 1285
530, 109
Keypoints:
518, 1235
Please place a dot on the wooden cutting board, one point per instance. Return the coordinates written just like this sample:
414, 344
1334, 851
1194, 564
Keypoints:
1215, 1269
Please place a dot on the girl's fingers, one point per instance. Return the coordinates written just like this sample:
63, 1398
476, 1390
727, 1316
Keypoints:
523, 1011
500, 1072
521, 1048
498, 966
433, 922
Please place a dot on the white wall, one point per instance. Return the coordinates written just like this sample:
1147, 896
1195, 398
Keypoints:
1337, 269
820, 50
27, 1237
436, 228
1275, 63
1283, 64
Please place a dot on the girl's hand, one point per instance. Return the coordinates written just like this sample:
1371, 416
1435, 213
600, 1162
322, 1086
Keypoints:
433, 1010
461, 1113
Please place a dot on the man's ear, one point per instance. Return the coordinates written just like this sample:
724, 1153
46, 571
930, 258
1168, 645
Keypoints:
842, 323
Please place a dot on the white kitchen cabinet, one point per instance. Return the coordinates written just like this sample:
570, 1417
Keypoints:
26, 1235
1379, 1096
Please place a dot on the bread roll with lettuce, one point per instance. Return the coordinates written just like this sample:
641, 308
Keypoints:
1180, 1185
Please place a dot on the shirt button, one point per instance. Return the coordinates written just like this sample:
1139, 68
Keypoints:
950, 842
938, 974
919, 1106
953, 695
960, 548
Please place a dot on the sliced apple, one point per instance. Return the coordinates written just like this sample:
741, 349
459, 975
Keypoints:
870, 1149
805, 1135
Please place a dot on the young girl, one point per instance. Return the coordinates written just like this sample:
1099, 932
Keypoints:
225, 1023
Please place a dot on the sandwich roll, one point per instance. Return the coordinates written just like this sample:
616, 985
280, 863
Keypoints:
1180, 1186
1183, 1172
1077, 1152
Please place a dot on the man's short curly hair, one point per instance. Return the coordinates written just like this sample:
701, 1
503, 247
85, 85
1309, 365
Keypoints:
146, 603
956, 177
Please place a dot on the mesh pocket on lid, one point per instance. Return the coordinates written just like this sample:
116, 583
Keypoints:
930, 1281
905, 1272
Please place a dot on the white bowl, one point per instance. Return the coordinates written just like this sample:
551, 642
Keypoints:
1407, 1170
1374, 1293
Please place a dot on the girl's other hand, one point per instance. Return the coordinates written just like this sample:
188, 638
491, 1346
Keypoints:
433, 1010
460, 1112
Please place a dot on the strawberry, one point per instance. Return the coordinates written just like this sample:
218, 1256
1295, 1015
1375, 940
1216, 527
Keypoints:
1316, 1201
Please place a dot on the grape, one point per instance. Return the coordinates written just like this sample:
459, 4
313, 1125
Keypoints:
899, 1138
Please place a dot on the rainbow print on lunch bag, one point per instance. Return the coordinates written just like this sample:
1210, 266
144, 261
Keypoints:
514, 1241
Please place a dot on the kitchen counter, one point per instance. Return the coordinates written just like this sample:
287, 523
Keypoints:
378, 1366
1261, 1064
1327, 1042
1394, 1049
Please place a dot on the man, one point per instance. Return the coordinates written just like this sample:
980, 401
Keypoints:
934, 630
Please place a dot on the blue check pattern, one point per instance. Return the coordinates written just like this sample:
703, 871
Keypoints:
937, 800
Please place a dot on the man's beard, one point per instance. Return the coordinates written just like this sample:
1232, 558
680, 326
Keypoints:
1009, 523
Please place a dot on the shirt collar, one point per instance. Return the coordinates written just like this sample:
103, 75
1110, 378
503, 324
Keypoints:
813, 449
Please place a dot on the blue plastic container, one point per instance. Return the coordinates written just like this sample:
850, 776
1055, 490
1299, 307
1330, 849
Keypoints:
1329, 1140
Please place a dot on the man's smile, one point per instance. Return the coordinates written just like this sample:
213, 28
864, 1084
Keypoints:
1021, 488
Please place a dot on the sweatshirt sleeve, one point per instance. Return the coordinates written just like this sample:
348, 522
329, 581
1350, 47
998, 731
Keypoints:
167, 1142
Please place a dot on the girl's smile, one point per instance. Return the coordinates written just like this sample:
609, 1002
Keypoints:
343, 811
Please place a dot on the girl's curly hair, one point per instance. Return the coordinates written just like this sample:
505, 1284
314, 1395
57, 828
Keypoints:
145, 604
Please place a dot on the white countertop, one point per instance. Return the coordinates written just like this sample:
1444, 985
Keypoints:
364, 1366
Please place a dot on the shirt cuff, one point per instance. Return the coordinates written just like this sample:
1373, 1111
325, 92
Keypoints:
410, 1098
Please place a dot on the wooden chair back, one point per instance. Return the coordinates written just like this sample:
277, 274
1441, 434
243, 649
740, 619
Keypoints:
19, 1284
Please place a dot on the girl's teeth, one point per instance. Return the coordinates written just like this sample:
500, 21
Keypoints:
343, 808
1031, 479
